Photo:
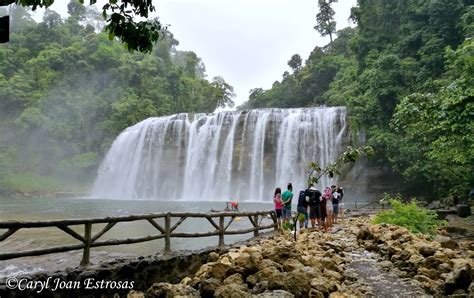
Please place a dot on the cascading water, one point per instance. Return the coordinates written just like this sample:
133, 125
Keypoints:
224, 156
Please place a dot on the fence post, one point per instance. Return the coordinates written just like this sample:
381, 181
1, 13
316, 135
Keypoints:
167, 232
87, 244
221, 231
255, 232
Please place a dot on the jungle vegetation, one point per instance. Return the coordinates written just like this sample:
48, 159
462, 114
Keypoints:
406, 74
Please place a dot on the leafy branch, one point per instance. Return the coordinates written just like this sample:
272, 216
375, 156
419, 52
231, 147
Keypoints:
350, 155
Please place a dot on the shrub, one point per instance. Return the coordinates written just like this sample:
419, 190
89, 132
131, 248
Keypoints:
416, 219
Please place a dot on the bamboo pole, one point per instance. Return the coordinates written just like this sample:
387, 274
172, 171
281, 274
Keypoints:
167, 232
87, 244
255, 219
221, 231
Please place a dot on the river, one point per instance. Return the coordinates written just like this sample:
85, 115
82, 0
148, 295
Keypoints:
39, 209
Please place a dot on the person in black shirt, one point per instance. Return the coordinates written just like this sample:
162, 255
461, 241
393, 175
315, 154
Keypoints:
302, 209
314, 197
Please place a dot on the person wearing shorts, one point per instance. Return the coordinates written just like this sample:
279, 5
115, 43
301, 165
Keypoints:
314, 196
278, 206
302, 209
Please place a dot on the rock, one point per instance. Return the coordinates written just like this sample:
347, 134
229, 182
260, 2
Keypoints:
336, 246
416, 260
232, 290
234, 279
338, 295
275, 294
163, 289
328, 263
221, 270
269, 263
212, 257
292, 264
186, 281
323, 285
432, 262
350, 275
427, 251
386, 265
459, 278
446, 242
315, 293
208, 286
135, 294
249, 262
332, 275
298, 282
431, 273
365, 234
269, 274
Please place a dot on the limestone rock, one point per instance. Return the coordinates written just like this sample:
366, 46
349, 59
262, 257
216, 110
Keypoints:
234, 279
275, 294
212, 257
459, 278
163, 289
427, 251
232, 290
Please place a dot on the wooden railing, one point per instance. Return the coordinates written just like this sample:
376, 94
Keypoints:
167, 231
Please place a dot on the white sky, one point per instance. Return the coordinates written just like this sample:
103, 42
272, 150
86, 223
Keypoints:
247, 42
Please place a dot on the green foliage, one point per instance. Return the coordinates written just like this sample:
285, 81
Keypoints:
350, 155
415, 219
138, 36
289, 226
31, 183
66, 91
405, 74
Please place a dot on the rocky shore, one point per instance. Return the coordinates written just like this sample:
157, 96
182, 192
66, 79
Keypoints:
357, 259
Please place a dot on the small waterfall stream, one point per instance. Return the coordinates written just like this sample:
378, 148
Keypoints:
224, 156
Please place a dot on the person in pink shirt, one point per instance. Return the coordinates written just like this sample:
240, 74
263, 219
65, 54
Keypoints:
278, 205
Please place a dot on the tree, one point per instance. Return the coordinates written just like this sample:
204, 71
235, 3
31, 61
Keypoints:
137, 35
325, 23
222, 93
295, 63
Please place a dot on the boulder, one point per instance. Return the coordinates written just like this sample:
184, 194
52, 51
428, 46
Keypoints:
365, 234
292, 264
163, 289
208, 286
427, 251
234, 279
323, 285
459, 278
212, 257
446, 242
232, 290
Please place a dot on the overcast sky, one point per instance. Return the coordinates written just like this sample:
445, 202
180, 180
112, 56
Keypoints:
247, 42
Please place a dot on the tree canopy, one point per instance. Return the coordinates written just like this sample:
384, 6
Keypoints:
405, 73
66, 91
121, 17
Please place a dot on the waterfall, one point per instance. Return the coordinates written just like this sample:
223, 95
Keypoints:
224, 156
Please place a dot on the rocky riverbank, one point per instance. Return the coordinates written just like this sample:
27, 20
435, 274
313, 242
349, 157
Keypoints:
358, 259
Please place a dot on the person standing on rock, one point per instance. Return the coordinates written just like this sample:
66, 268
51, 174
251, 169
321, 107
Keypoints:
341, 202
302, 209
286, 198
278, 205
329, 208
335, 202
314, 196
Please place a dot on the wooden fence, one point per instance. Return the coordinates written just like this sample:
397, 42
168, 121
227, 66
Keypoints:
167, 231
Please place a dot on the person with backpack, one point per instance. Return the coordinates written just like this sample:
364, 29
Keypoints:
314, 197
286, 198
302, 209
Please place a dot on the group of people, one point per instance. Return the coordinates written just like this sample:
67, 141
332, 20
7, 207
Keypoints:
321, 208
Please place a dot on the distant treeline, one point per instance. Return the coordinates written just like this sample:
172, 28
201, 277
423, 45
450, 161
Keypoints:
406, 74
66, 91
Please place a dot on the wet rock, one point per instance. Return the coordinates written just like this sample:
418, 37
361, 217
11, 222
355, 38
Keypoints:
459, 278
